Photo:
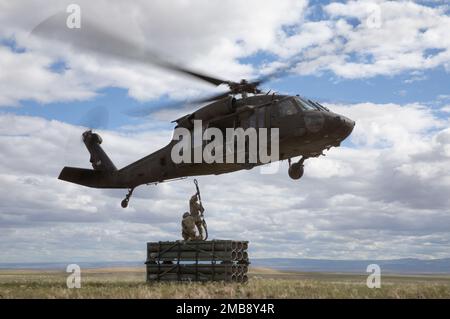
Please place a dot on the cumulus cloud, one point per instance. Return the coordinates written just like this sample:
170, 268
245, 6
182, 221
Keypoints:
365, 38
383, 194
211, 32
356, 39
384, 197
27, 76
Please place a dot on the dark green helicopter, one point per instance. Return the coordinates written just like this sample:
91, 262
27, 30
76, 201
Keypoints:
305, 127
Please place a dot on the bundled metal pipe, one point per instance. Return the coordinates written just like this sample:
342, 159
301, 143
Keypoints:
192, 277
199, 255
192, 269
215, 260
212, 245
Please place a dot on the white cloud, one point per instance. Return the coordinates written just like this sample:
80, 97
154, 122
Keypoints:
27, 76
213, 37
385, 198
209, 34
365, 38
390, 125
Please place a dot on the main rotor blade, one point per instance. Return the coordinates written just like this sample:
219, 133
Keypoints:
275, 74
95, 118
94, 38
148, 110
213, 97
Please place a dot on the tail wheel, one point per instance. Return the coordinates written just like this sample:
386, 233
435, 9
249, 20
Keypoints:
125, 201
296, 170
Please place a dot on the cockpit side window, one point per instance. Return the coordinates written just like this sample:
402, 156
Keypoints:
287, 107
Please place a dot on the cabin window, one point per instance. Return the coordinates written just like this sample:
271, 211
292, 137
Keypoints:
252, 120
287, 108
223, 124
261, 117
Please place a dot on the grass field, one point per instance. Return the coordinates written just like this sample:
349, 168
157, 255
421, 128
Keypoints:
263, 283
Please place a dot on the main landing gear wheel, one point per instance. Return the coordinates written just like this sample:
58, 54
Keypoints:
296, 170
124, 203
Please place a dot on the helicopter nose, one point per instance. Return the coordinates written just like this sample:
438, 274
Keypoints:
346, 126
341, 126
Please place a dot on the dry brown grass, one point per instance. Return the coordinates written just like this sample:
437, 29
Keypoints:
263, 283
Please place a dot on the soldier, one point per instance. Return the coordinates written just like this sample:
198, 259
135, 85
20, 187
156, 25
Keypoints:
196, 209
188, 227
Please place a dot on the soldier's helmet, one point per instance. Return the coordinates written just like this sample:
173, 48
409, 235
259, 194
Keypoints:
186, 214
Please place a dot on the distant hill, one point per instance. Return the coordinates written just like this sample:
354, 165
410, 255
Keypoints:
62, 265
398, 266
407, 265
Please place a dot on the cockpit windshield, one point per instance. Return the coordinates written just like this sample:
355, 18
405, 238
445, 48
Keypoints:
320, 106
325, 108
305, 105
309, 105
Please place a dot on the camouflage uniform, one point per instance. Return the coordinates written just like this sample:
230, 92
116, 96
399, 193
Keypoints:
188, 227
196, 210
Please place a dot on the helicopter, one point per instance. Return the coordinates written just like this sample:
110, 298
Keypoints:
304, 128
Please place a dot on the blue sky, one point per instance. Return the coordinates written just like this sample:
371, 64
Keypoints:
405, 88
409, 86
382, 194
